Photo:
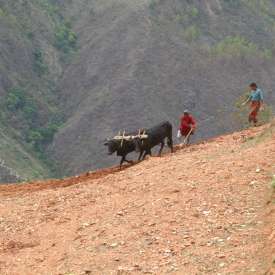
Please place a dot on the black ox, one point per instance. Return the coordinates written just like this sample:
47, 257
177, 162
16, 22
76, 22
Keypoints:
155, 136
122, 146
142, 141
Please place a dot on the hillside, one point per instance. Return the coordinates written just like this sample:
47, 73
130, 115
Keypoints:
206, 209
75, 72
142, 62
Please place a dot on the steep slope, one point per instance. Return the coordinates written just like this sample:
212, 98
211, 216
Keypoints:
206, 209
75, 72
141, 62
34, 47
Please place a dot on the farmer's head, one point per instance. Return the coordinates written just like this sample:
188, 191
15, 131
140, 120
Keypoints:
253, 86
186, 112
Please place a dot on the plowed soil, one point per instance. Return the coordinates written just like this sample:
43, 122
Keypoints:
206, 209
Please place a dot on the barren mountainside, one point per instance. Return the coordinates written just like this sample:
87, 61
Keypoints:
75, 72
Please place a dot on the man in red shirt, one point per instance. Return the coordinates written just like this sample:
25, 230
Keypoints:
187, 125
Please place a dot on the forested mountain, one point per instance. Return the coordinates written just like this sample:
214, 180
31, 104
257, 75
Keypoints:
75, 72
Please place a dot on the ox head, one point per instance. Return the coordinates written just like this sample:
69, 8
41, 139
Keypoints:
112, 146
116, 142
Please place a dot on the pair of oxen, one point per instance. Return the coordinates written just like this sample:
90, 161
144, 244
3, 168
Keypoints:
141, 141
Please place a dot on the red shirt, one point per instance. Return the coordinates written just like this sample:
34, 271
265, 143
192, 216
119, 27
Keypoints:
187, 121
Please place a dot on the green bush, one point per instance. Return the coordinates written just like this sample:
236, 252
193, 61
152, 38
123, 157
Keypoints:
192, 33
65, 38
273, 182
48, 132
30, 112
185, 16
15, 99
35, 139
153, 4
39, 65
39, 138
194, 12
239, 46
235, 46
48, 6
18, 100
37, 132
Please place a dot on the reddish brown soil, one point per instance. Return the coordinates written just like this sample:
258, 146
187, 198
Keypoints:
206, 209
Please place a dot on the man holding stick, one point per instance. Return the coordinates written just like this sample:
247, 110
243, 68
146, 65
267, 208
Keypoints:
187, 126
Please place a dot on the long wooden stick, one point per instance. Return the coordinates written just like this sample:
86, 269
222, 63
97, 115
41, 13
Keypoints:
188, 135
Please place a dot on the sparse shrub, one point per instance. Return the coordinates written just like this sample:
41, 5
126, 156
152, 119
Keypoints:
30, 35
186, 16
2, 13
39, 65
273, 182
37, 132
235, 46
263, 7
194, 12
65, 38
233, 4
15, 99
41, 137
35, 138
266, 114
30, 112
181, 18
192, 33
153, 4
239, 46
48, 6
48, 132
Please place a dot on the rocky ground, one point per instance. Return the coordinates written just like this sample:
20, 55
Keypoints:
206, 209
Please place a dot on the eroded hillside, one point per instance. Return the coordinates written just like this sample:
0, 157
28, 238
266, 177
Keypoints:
142, 62
206, 209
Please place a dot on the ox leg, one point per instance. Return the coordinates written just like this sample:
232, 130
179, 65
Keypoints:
147, 152
140, 155
161, 148
121, 161
129, 161
144, 155
170, 143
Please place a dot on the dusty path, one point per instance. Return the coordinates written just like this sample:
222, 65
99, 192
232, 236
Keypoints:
208, 209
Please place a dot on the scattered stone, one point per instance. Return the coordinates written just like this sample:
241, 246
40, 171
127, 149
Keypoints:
252, 183
114, 245
206, 213
196, 215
